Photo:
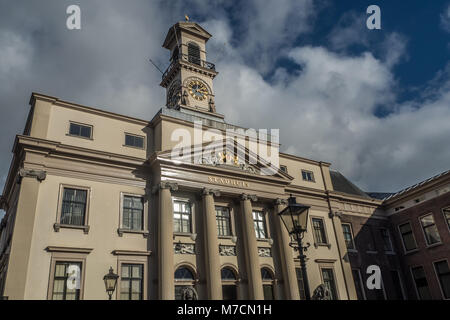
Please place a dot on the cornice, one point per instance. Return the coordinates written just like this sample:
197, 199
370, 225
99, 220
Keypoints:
68, 249
57, 147
353, 198
297, 158
131, 253
62, 103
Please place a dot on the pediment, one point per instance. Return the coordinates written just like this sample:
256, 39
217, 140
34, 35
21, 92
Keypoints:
190, 27
226, 154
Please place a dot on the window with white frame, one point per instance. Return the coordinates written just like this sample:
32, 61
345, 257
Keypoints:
348, 236
406, 233
80, 130
319, 231
308, 175
259, 221
446, 212
182, 216
430, 229
443, 274
133, 212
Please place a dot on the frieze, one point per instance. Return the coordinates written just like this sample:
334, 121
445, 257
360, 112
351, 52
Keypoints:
228, 182
265, 252
184, 248
227, 250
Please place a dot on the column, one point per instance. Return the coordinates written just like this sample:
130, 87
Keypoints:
343, 254
213, 278
290, 283
251, 249
22, 237
165, 241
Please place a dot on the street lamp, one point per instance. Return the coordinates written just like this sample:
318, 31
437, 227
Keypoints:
295, 219
110, 282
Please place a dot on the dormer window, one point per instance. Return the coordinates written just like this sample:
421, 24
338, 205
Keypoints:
193, 53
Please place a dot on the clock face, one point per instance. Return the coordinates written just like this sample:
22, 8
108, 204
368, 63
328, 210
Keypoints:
197, 90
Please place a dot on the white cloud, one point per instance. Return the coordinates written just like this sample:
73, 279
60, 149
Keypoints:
445, 19
324, 109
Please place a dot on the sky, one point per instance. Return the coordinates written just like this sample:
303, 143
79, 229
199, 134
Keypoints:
374, 103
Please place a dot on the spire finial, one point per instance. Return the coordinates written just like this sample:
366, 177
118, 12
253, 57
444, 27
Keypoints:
186, 17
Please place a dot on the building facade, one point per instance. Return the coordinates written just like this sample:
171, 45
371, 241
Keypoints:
89, 189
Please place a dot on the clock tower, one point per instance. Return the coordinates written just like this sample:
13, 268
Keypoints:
189, 78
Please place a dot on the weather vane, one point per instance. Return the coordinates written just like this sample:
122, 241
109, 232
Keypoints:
186, 17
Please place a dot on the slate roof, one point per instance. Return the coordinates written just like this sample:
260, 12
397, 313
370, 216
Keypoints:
342, 184
393, 195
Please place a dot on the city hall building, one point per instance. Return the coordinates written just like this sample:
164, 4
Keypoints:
89, 189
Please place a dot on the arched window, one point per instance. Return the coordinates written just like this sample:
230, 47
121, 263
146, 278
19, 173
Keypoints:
229, 284
193, 53
184, 277
268, 283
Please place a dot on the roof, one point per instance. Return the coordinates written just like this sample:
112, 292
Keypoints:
342, 184
191, 27
379, 195
417, 185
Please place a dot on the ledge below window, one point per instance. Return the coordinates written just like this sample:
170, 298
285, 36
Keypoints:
58, 226
328, 245
121, 231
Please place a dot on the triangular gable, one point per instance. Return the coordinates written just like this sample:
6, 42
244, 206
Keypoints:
191, 27
227, 154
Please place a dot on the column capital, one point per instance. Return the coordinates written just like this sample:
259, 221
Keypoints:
40, 175
213, 192
250, 197
173, 186
280, 201
337, 214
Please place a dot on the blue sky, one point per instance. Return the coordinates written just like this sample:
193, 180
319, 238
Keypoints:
374, 103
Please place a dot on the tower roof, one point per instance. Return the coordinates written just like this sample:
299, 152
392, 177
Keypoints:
189, 27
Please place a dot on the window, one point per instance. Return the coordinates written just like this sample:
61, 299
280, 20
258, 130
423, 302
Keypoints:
395, 276
61, 289
73, 208
319, 231
134, 141
133, 213
229, 288
259, 221
420, 280
284, 169
430, 229
407, 237
223, 221
446, 212
131, 281
80, 130
301, 283
193, 53
387, 244
267, 279
183, 278
348, 236
358, 284
328, 281
308, 175
367, 237
443, 273
182, 216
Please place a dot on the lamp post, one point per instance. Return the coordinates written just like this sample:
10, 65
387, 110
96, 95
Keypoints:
295, 219
110, 282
